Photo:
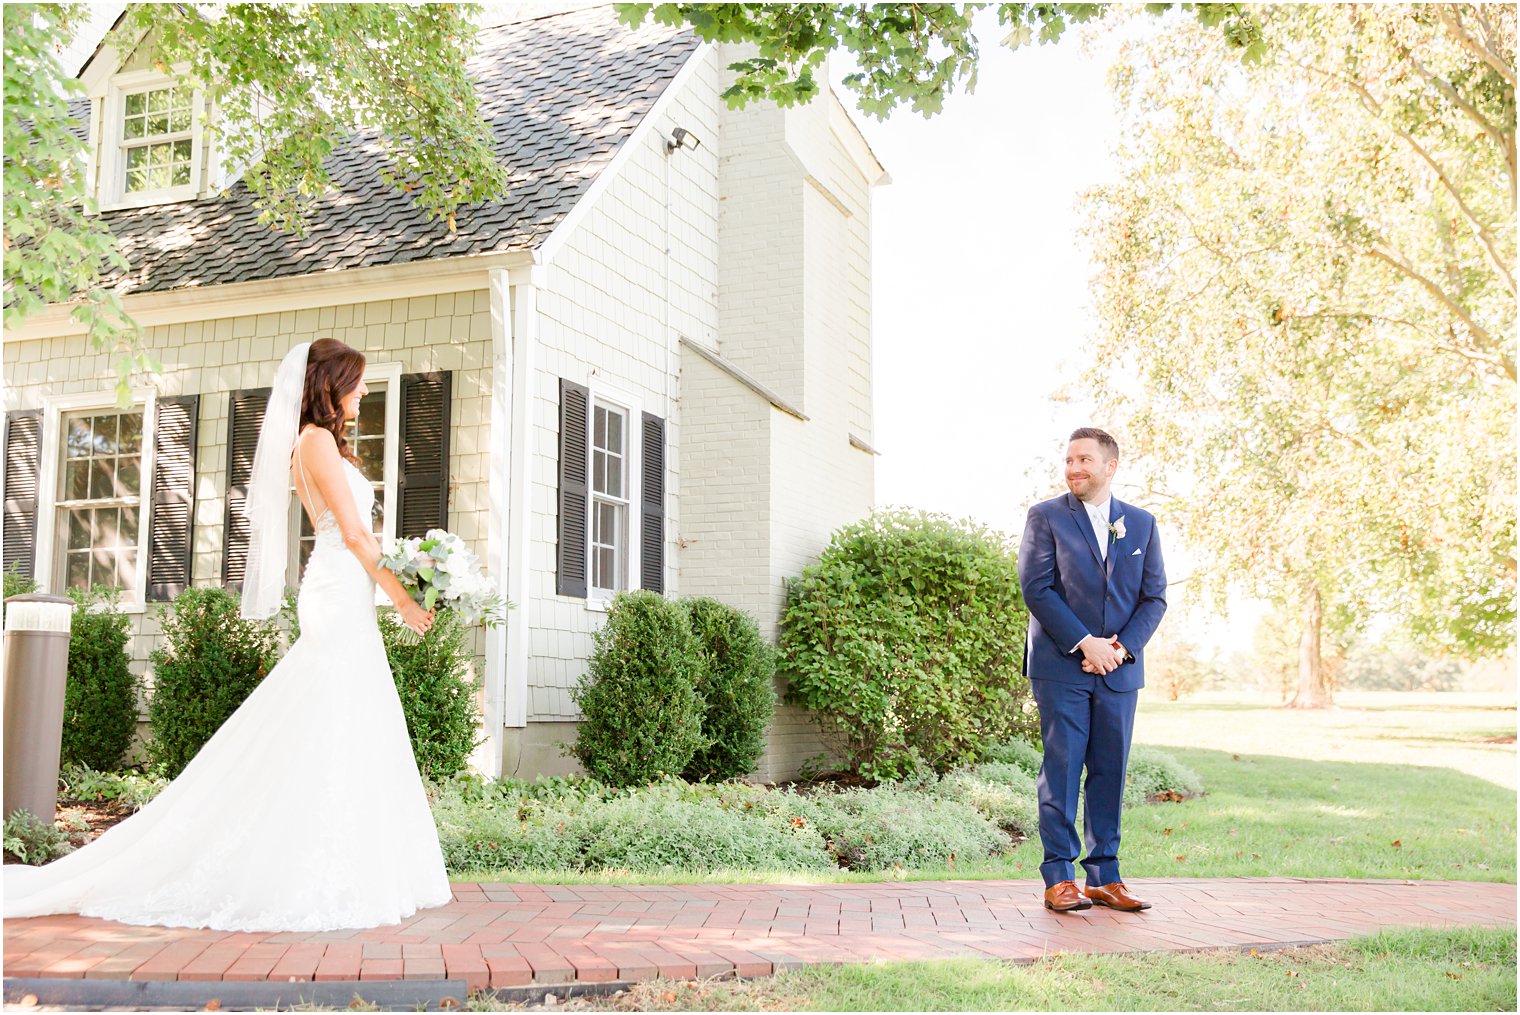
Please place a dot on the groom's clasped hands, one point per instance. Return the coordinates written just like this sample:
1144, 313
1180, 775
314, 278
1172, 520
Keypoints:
1103, 655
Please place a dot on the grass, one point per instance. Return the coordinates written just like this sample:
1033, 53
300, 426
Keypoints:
1465, 969
1389, 785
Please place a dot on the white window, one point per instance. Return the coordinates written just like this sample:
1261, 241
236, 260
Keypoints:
610, 499
156, 139
92, 515
100, 499
151, 141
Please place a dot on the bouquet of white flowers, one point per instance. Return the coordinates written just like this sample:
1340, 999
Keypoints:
439, 570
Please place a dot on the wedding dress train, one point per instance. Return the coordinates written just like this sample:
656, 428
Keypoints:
304, 812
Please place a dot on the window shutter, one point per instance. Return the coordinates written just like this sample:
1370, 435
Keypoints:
652, 515
245, 414
171, 518
23, 464
574, 441
423, 479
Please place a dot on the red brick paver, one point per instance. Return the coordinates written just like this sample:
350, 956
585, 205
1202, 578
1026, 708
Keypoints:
502, 935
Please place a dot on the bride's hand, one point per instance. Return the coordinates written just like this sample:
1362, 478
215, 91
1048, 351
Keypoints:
415, 616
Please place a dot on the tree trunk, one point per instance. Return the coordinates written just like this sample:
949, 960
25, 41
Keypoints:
1313, 692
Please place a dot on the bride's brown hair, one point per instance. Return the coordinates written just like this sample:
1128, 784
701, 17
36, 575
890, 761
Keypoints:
333, 371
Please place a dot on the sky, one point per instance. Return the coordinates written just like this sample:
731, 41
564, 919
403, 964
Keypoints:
981, 305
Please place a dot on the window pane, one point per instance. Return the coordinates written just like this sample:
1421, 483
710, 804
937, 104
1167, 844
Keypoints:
129, 526
181, 152
372, 413
615, 476
615, 432
102, 478
372, 458
76, 480
136, 181
181, 175
76, 437
604, 576
158, 156
103, 527
137, 102
158, 100
104, 437
131, 129
378, 511
103, 567
126, 569
130, 435
180, 120
600, 437
79, 530
79, 570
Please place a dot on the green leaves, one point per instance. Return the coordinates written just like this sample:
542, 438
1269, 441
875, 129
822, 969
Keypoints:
905, 640
909, 54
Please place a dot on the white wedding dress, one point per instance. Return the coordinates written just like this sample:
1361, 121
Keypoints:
304, 812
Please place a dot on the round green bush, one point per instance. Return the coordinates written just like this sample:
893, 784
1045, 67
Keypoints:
437, 694
100, 695
642, 715
736, 687
210, 660
905, 639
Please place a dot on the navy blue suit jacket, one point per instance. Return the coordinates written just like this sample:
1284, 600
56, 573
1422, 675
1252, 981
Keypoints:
1071, 592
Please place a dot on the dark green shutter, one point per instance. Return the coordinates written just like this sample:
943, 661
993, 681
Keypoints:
171, 518
652, 515
574, 441
245, 413
423, 479
23, 464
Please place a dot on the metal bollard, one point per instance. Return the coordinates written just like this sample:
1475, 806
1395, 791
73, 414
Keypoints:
36, 668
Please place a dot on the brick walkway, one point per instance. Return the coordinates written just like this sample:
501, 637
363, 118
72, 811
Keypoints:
510, 935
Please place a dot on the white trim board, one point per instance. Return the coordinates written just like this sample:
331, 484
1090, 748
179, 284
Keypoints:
426, 277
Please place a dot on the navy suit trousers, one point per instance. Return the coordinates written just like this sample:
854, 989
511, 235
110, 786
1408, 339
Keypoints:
1083, 725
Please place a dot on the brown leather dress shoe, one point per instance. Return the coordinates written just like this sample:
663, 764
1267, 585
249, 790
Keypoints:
1064, 897
1115, 896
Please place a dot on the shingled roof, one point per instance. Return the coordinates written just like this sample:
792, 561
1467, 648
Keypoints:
562, 93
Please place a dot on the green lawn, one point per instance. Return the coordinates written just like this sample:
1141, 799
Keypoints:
1388, 786
1407, 970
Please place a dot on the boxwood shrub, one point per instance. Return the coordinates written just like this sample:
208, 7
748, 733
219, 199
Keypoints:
905, 640
738, 700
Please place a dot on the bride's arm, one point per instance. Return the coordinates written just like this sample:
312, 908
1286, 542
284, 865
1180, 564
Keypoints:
324, 466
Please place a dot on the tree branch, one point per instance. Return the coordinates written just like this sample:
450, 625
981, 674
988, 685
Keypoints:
1454, 27
1383, 252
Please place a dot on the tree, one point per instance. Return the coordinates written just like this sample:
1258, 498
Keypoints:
908, 53
285, 83
1306, 309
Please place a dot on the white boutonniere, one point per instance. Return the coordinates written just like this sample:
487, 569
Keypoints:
1117, 527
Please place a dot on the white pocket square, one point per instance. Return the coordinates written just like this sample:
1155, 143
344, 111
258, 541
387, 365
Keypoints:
1135, 554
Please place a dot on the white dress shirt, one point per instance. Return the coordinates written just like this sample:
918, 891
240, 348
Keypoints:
1098, 515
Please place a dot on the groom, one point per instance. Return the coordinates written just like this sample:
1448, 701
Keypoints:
1090, 569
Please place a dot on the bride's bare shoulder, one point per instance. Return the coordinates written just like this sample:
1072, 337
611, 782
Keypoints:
317, 440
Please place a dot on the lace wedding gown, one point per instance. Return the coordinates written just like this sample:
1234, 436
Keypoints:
304, 812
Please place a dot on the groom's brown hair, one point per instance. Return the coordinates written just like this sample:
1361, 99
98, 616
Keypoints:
1091, 433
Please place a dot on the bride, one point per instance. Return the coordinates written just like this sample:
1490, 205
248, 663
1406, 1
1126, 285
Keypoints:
305, 811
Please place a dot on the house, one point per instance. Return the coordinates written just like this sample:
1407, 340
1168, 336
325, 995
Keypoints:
649, 365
